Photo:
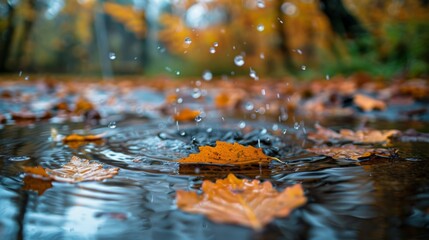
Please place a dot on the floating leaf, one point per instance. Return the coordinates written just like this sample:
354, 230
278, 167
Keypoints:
353, 152
361, 136
186, 114
228, 154
82, 138
367, 103
77, 170
245, 202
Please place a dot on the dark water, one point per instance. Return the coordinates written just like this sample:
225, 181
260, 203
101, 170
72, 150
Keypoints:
376, 199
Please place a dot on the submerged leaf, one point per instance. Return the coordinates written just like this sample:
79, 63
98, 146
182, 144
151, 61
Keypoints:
324, 135
77, 170
228, 154
245, 202
36, 184
353, 152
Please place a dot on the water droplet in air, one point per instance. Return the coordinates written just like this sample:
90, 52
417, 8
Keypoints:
288, 8
296, 125
198, 119
196, 93
177, 72
112, 56
182, 133
179, 100
212, 50
207, 75
260, 27
253, 75
242, 124
20, 73
299, 51
239, 60
260, 4
248, 106
262, 56
188, 40
27, 78
215, 44
280, 20
275, 127
284, 131
303, 67
263, 92
112, 125
327, 77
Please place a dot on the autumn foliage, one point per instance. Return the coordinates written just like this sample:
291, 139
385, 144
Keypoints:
225, 153
240, 201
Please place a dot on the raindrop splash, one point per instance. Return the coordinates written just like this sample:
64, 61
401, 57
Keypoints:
198, 119
112, 125
253, 75
212, 50
242, 124
260, 28
260, 3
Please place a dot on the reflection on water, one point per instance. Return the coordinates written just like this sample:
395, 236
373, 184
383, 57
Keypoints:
377, 199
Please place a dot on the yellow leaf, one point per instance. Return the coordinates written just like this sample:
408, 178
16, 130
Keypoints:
228, 154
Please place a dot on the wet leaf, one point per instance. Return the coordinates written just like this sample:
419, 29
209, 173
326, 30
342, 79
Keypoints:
245, 202
353, 152
82, 138
225, 153
77, 170
324, 135
36, 184
367, 103
186, 114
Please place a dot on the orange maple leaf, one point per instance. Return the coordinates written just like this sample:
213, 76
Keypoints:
246, 202
228, 154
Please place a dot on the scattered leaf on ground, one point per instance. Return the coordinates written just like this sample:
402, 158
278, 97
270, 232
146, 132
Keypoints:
77, 170
186, 114
245, 202
353, 152
225, 153
367, 103
324, 135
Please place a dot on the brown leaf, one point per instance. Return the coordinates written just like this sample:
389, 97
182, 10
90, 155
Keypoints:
76, 140
368, 104
324, 135
186, 114
36, 184
77, 170
352, 152
82, 138
227, 154
245, 202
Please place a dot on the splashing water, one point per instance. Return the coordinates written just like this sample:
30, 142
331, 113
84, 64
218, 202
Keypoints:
188, 41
